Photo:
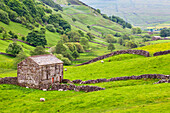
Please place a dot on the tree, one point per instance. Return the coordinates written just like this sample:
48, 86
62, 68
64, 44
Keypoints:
134, 30
37, 38
64, 38
120, 41
98, 10
74, 19
111, 47
81, 33
75, 54
110, 39
90, 36
51, 28
165, 32
139, 31
39, 50
4, 17
14, 49
131, 44
89, 27
74, 36
85, 43
4, 36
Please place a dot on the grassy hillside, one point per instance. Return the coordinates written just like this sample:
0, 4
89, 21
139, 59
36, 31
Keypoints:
119, 97
20, 30
156, 47
137, 12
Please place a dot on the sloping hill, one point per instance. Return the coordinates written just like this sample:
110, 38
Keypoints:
119, 96
137, 12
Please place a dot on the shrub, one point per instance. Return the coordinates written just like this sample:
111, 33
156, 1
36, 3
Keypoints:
43, 30
1, 29
50, 27
23, 38
66, 61
111, 47
30, 26
4, 17
36, 38
79, 47
71, 46
14, 49
59, 56
36, 25
12, 15
85, 43
39, 50
75, 54
48, 11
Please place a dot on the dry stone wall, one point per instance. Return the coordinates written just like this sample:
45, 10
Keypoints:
66, 87
154, 76
9, 80
138, 52
161, 53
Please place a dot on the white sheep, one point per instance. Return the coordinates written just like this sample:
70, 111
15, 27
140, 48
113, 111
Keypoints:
65, 69
60, 89
42, 99
44, 89
27, 87
102, 61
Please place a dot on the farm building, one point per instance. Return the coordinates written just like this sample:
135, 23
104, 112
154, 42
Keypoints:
156, 38
40, 69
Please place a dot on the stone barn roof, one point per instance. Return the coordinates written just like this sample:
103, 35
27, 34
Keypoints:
45, 59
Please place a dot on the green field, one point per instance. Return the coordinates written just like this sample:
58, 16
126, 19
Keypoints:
119, 97
126, 96
156, 47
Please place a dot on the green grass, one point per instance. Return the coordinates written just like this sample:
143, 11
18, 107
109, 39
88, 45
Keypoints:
119, 97
135, 97
26, 48
121, 67
156, 47
20, 30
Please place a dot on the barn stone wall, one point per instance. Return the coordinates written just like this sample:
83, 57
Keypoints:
51, 71
28, 73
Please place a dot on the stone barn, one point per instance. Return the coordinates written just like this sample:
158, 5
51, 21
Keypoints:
41, 69
156, 38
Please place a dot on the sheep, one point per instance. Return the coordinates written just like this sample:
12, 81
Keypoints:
60, 90
65, 69
27, 87
42, 99
44, 89
102, 61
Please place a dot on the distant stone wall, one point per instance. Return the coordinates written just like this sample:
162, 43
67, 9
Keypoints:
154, 76
138, 52
161, 53
7, 54
65, 87
9, 80
163, 81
